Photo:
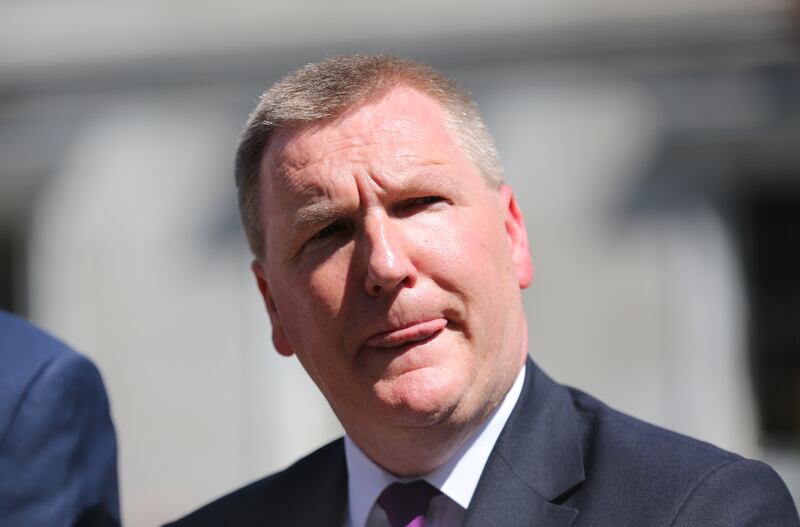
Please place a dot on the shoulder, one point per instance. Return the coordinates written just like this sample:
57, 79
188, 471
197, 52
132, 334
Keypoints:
682, 480
41, 378
740, 492
17, 334
54, 423
24, 352
609, 433
316, 481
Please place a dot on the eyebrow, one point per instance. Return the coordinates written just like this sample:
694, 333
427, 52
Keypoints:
313, 214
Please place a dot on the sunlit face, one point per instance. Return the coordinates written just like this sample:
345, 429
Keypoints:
392, 270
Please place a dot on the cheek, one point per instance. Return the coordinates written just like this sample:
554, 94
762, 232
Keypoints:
462, 249
470, 258
328, 283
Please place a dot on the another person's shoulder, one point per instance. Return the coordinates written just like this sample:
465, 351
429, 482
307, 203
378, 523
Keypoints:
38, 368
687, 480
56, 433
284, 498
24, 345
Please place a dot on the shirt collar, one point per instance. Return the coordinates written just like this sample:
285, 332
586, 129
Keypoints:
457, 478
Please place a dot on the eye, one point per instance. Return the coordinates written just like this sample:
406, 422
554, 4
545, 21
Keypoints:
422, 202
328, 231
428, 200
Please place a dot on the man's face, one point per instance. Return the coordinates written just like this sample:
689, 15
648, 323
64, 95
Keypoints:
392, 270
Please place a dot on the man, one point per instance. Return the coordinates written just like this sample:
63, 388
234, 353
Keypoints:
58, 451
391, 255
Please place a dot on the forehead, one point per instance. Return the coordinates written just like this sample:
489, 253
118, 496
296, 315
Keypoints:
403, 126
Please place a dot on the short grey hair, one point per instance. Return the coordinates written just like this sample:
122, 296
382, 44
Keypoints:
330, 88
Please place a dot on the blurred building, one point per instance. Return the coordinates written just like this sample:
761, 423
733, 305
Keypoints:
654, 147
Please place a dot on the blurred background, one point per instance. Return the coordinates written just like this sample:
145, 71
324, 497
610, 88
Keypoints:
654, 147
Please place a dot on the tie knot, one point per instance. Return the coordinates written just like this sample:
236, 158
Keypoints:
406, 504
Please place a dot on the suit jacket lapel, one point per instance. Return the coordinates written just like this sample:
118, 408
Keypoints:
327, 504
538, 457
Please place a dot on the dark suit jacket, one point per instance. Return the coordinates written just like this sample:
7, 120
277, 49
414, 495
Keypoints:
563, 458
58, 452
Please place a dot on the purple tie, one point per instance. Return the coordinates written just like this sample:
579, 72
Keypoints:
406, 504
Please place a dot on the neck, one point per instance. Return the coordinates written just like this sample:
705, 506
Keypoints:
414, 452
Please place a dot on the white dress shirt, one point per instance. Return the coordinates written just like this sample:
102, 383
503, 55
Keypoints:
456, 479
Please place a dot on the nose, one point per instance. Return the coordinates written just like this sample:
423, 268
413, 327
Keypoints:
388, 262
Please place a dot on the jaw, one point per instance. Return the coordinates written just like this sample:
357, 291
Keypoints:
423, 412
419, 398
423, 420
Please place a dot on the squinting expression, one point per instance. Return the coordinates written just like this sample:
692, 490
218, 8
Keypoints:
392, 270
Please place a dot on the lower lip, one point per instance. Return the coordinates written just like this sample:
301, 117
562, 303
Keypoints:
413, 334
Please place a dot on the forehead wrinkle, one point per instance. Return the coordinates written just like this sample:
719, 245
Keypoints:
288, 172
290, 162
296, 149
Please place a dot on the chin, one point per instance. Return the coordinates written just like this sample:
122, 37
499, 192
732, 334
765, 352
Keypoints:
419, 398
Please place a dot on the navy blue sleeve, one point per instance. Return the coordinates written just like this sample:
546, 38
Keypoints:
740, 493
58, 456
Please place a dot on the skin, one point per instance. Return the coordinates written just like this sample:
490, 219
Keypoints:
394, 272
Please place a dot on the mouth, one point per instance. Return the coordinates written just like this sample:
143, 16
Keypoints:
411, 334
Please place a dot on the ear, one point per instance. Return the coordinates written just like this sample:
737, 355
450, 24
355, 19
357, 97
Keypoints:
279, 339
517, 237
